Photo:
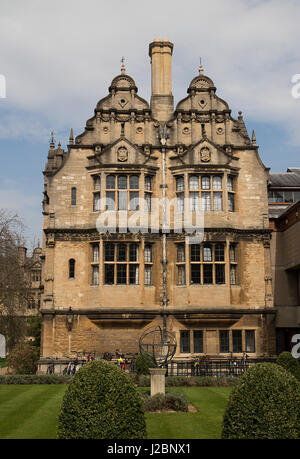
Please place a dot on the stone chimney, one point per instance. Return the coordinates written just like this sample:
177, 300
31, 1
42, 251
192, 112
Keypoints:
162, 101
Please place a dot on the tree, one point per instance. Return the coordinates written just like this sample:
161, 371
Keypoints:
34, 328
14, 285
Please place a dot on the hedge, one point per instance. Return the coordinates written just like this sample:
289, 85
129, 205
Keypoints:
35, 379
265, 404
287, 361
101, 402
167, 402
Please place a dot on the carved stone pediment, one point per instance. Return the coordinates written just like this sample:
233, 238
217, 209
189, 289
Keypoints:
206, 153
123, 152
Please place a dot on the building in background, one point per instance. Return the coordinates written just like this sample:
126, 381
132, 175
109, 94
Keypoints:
102, 290
285, 256
32, 267
283, 190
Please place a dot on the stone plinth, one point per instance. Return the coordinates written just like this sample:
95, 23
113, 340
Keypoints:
157, 380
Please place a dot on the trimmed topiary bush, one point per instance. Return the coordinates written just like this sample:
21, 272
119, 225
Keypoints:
142, 364
287, 361
101, 402
265, 404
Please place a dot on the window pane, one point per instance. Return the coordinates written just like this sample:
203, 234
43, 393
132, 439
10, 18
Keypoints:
133, 274
278, 196
96, 182
121, 252
180, 253
109, 274
134, 200
180, 202
148, 202
148, 274
134, 182
110, 200
73, 196
218, 201
232, 252
179, 184
148, 254
217, 182
224, 341
110, 182
72, 268
231, 202
121, 274
148, 184
229, 183
185, 341
205, 183
96, 202
181, 275
195, 274
95, 275
207, 274
122, 182
288, 196
233, 280
96, 253
122, 200
194, 182
220, 274
109, 252
296, 196
206, 201
207, 253
194, 202
219, 252
133, 252
198, 341
250, 341
237, 341
195, 252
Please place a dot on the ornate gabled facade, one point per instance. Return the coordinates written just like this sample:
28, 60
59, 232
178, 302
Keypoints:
215, 294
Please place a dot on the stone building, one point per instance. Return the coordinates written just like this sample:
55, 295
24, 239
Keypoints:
32, 267
104, 287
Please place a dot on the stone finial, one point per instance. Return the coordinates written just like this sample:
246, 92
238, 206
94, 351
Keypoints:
71, 137
123, 70
52, 140
201, 69
253, 139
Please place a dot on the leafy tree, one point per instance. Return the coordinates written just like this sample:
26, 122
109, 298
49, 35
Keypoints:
14, 285
34, 329
23, 359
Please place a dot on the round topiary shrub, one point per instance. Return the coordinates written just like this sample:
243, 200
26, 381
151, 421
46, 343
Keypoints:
265, 404
101, 402
142, 364
287, 361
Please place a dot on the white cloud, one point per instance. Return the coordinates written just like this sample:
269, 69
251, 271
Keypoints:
60, 57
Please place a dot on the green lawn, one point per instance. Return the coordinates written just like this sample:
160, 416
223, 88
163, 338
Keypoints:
30, 411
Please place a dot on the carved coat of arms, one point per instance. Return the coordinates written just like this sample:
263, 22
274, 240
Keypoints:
205, 154
122, 154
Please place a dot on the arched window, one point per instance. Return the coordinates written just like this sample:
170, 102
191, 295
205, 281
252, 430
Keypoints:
72, 268
73, 196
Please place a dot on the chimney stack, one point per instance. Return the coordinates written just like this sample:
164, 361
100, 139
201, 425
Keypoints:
162, 101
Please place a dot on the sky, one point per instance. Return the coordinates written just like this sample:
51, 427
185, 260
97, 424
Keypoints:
58, 59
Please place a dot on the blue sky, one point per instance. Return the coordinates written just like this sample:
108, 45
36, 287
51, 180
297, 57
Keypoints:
59, 58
